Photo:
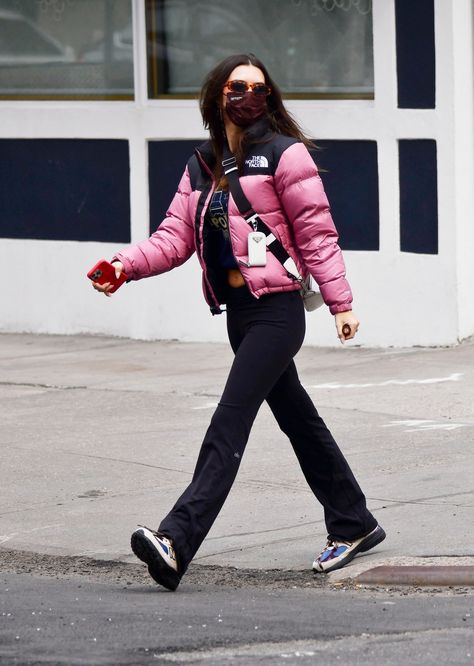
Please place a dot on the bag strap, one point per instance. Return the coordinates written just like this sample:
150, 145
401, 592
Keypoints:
229, 165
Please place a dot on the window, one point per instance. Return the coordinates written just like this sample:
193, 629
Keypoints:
65, 189
418, 169
313, 48
66, 49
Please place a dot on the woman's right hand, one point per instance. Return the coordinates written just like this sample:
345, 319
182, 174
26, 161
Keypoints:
107, 286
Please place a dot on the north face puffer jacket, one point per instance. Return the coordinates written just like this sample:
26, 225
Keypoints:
281, 181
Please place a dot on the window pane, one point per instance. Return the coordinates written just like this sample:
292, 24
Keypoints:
314, 48
63, 49
65, 189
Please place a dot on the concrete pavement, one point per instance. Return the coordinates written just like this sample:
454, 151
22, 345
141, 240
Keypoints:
99, 434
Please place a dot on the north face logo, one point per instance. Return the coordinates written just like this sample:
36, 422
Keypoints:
257, 162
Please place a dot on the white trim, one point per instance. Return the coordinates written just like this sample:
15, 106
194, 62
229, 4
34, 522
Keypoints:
463, 106
385, 56
139, 52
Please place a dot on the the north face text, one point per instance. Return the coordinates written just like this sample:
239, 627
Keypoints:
257, 162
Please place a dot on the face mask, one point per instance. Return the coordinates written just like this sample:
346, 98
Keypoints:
245, 108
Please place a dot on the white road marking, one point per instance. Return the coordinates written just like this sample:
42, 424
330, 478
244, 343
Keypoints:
207, 405
454, 377
6, 537
320, 650
418, 425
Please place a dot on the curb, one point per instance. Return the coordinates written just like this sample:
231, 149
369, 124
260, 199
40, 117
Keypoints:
418, 575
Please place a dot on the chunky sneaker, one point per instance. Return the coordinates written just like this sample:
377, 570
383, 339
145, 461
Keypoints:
339, 553
157, 551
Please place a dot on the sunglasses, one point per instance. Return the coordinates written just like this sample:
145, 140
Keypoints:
243, 87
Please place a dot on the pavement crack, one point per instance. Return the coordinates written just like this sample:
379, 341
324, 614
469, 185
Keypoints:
127, 462
248, 547
66, 352
427, 500
60, 387
286, 528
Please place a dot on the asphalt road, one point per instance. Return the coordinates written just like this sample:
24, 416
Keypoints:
111, 614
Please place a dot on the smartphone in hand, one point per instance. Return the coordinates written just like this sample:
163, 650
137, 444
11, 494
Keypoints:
104, 272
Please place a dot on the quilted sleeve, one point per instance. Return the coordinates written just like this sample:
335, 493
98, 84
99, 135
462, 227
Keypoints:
302, 195
170, 245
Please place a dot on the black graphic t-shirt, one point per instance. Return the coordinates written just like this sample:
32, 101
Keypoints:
217, 220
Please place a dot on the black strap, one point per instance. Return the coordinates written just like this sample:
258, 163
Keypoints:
229, 164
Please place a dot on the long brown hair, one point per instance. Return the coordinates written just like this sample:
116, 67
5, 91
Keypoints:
278, 118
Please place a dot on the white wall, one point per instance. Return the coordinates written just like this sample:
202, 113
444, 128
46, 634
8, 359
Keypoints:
401, 299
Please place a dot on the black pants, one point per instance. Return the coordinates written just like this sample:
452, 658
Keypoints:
265, 335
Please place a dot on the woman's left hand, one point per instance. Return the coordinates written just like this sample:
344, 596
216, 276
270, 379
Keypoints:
347, 325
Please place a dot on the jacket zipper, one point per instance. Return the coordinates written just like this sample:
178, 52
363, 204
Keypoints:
200, 236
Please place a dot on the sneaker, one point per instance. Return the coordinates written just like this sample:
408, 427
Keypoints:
157, 551
339, 553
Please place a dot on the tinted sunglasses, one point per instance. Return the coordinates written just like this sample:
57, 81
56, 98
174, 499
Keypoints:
243, 87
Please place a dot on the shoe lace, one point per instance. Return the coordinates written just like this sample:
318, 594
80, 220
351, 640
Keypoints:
333, 544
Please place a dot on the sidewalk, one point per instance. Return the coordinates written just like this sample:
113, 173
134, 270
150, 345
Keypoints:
99, 434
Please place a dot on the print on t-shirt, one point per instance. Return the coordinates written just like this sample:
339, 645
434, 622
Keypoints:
218, 219
218, 211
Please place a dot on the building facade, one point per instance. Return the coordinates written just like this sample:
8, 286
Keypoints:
99, 115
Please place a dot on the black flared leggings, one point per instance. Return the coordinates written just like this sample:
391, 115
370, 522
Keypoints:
265, 335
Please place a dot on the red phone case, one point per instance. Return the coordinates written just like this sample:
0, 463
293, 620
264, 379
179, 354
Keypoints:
103, 272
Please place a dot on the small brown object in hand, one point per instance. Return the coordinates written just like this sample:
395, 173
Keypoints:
346, 330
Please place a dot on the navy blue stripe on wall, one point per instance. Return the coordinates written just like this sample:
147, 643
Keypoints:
166, 163
418, 196
416, 61
349, 172
350, 179
65, 189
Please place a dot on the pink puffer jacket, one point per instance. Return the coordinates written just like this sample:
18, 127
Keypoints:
282, 183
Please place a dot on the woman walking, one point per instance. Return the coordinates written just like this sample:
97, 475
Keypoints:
243, 110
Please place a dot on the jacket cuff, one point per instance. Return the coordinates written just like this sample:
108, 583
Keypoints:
340, 307
127, 265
